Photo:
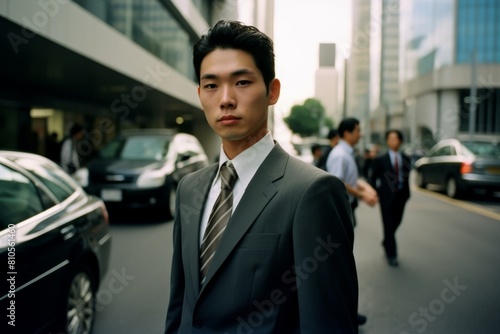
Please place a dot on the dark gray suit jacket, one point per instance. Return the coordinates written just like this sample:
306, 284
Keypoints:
284, 264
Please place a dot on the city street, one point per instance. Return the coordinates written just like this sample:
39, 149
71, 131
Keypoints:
447, 281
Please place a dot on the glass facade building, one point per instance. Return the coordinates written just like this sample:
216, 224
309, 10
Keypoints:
478, 30
151, 25
450, 49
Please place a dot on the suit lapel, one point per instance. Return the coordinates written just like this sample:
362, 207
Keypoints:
388, 162
192, 213
257, 195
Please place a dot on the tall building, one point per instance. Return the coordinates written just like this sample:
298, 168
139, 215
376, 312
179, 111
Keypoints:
326, 88
386, 109
107, 64
449, 68
358, 65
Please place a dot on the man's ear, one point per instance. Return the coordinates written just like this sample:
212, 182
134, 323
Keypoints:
274, 91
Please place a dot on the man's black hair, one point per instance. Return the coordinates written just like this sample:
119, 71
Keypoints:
227, 34
347, 124
76, 128
332, 134
397, 132
315, 147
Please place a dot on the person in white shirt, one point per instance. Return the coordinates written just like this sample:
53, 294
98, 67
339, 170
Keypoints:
342, 164
70, 159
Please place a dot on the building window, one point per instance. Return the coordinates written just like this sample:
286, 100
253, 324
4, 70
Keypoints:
149, 24
487, 111
478, 28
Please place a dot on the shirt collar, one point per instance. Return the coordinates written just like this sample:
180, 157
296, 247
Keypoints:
348, 148
393, 153
247, 162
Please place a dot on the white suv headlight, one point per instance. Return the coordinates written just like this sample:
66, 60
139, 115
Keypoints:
151, 179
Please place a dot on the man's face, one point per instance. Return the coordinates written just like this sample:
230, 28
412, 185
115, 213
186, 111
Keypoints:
393, 141
353, 137
78, 136
233, 96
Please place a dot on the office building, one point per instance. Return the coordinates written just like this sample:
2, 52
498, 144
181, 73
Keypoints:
326, 87
357, 69
449, 68
386, 108
107, 64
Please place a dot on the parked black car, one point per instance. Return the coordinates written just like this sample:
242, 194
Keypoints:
461, 166
141, 169
55, 247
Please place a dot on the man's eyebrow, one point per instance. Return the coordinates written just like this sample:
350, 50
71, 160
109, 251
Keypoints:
208, 76
233, 74
242, 71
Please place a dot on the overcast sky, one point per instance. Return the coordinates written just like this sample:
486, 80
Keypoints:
299, 28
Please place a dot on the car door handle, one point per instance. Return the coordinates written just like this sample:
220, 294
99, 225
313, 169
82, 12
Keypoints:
68, 232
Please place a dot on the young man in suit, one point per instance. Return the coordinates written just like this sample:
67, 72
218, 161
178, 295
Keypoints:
284, 261
390, 176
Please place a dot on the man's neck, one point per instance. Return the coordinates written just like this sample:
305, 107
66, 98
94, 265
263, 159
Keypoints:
233, 148
349, 143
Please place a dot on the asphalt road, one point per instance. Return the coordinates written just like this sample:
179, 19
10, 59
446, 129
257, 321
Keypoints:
447, 281
134, 294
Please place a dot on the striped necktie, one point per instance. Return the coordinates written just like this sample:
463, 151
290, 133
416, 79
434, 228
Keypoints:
218, 219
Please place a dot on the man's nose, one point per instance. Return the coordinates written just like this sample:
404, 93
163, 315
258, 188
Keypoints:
227, 97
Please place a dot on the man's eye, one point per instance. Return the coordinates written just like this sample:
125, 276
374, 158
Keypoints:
243, 83
210, 86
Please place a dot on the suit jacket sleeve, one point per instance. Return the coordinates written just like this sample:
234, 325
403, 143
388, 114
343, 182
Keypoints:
323, 244
174, 312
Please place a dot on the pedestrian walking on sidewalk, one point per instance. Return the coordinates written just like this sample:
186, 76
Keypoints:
390, 174
341, 163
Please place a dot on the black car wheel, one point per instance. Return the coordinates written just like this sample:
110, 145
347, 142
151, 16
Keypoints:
420, 180
452, 188
80, 310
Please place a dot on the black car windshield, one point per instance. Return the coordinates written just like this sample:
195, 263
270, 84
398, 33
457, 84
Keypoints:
137, 148
483, 148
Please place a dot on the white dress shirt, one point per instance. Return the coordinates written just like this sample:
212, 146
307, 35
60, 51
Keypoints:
396, 155
246, 164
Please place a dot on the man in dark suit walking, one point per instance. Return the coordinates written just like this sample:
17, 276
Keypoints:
262, 241
390, 178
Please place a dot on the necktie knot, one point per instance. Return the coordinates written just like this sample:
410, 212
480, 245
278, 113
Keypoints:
228, 176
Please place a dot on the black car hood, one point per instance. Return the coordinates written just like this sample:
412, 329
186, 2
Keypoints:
128, 167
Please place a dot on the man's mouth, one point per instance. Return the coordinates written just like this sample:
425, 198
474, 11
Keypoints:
229, 120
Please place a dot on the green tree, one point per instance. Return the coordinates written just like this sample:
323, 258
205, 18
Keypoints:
308, 118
